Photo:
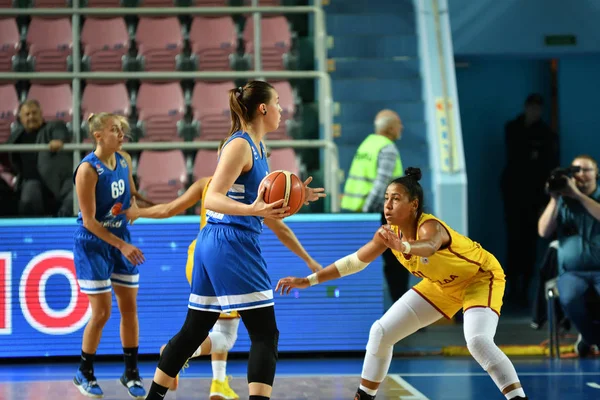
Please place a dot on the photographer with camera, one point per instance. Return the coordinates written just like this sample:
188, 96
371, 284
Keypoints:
573, 212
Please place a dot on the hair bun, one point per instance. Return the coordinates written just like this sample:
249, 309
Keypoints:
89, 119
413, 172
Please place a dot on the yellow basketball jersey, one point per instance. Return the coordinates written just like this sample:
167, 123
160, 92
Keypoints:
452, 266
189, 267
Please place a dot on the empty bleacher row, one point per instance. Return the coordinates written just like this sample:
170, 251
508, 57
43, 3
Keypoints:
148, 44
163, 111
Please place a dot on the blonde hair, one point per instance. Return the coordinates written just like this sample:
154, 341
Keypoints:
98, 121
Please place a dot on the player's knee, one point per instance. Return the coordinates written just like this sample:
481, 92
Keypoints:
264, 356
222, 342
378, 343
484, 351
100, 316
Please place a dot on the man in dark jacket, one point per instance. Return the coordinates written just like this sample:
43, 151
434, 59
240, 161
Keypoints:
43, 178
532, 153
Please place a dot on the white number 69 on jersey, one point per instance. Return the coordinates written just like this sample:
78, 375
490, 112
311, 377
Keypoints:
117, 188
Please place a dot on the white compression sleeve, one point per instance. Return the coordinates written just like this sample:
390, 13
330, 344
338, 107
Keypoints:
480, 327
407, 315
350, 264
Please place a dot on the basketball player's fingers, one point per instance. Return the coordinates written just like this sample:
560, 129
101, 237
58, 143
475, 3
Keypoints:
276, 204
308, 180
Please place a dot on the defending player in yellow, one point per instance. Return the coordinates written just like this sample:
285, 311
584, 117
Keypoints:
457, 273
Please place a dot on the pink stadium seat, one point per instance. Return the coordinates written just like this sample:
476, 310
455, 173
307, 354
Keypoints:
9, 43
209, 3
205, 163
276, 41
9, 103
111, 98
284, 159
162, 175
264, 3
160, 107
210, 103
56, 101
105, 42
156, 3
49, 42
103, 3
213, 40
286, 101
49, 3
159, 42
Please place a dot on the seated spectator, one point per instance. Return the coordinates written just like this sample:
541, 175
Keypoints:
573, 212
44, 179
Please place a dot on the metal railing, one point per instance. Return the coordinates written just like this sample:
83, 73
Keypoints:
325, 102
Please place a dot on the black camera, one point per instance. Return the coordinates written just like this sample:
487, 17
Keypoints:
558, 178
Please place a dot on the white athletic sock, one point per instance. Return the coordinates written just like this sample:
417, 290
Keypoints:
514, 393
370, 392
219, 370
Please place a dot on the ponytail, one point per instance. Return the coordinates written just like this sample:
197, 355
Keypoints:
244, 102
239, 112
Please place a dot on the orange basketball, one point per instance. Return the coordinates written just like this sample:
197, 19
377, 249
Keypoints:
287, 186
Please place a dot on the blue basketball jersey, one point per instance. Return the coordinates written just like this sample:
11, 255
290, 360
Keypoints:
245, 189
112, 192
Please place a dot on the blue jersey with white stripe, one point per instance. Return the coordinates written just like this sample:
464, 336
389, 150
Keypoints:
113, 193
245, 189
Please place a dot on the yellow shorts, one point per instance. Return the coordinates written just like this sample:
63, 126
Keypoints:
189, 268
485, 289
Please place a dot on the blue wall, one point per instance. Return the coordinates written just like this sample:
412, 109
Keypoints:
579, 105
519, 26
490, 92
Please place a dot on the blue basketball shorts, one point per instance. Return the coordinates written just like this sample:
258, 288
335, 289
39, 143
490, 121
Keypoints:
229, 271
99, 265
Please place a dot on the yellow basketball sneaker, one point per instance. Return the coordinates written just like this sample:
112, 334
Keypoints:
220, 390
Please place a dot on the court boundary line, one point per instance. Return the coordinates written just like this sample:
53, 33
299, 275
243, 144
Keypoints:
416, 394
5, 378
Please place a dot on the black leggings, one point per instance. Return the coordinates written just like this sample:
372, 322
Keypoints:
262, 329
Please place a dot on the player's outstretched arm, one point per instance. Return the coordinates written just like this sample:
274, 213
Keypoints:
289, 240
348, 265
160, 211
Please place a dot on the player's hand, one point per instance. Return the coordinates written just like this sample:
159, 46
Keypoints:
133, 212
268, 210
314, 266
132, 253
285, 285
390, 239
312, 194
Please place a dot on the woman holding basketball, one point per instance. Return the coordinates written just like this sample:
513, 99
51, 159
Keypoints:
457, 273
229, 271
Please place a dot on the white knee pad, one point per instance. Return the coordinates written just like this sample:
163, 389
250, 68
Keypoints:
377, 344
224, 335
484, 351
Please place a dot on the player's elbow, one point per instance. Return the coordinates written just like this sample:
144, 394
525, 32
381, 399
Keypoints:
89, 222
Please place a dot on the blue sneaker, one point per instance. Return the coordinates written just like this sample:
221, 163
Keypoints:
87, 385
134, 385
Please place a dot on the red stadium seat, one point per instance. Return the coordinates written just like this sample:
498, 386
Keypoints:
105, 42
162, 175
